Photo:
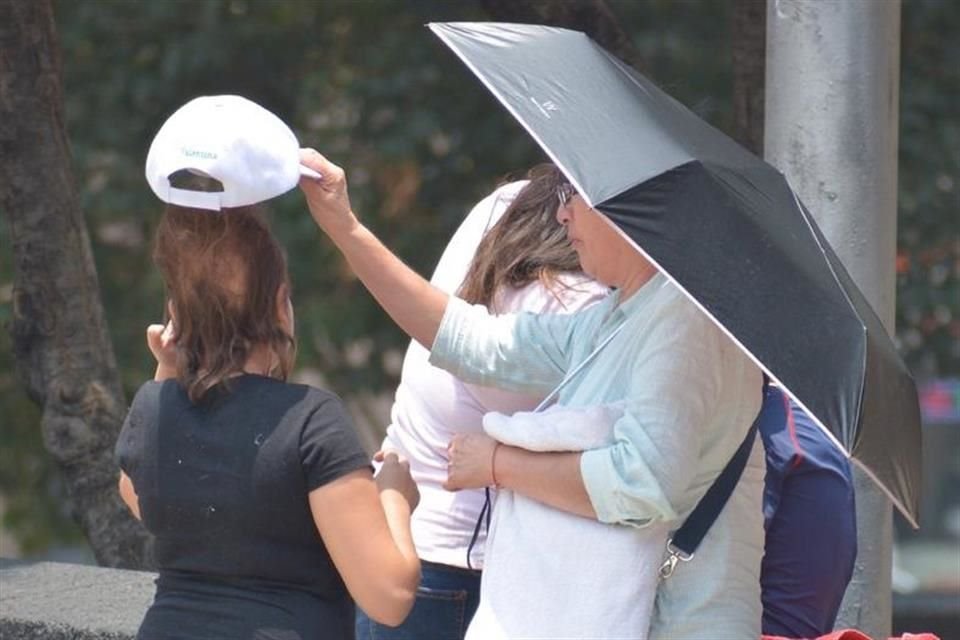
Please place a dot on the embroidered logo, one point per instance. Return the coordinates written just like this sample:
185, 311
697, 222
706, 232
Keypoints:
198, 153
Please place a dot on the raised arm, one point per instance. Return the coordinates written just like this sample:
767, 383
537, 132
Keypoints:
413, 303
519, 353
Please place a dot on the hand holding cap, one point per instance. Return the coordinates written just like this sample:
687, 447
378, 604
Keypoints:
327, 196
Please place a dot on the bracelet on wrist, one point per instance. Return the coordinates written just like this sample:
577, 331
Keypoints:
493, 465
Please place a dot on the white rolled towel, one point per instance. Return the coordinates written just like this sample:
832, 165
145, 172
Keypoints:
556, 428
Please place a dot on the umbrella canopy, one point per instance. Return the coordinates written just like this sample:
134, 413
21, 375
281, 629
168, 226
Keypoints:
721, 223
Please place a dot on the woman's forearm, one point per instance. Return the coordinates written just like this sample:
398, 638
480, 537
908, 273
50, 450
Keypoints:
397, 511
551, 478
413, 303
476, 460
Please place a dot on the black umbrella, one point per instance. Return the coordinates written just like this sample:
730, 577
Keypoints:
722, 224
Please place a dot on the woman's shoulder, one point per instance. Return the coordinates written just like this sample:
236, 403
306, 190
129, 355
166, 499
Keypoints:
143, 414
328, 443
152, 392
313, 393
662, 299
313, 401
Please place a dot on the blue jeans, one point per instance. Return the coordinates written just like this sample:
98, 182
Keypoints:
447, 598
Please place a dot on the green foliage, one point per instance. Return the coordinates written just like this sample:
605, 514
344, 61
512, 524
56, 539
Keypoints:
368, 85
928, 262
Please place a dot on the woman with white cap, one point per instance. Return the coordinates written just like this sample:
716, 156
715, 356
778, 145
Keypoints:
266, 515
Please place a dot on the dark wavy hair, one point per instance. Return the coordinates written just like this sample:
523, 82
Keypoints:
223, 271
527, 243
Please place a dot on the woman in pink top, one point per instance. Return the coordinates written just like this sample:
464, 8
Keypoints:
508, 255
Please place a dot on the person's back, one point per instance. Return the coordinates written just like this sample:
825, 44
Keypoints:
223, 487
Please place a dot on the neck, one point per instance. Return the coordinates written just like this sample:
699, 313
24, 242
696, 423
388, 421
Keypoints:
636, 279
260, 361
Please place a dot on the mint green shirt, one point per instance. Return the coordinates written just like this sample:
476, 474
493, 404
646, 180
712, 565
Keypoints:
690, 396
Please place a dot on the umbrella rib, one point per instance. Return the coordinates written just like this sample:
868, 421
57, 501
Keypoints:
816, 239
853, 308
437, 30
620, 64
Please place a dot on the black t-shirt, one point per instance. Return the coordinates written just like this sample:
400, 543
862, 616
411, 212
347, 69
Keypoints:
223, 487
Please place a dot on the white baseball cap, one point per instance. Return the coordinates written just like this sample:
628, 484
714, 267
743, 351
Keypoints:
247, 149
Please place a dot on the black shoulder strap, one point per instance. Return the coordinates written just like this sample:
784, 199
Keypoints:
485, 511
686, 539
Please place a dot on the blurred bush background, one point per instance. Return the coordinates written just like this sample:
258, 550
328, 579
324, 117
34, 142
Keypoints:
367, 84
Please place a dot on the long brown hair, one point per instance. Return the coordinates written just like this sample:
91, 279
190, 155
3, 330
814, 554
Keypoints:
527, 243
223, 271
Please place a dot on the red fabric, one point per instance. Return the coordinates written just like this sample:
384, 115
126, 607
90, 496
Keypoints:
853, 634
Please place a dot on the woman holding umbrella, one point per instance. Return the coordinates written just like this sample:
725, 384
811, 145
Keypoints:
690, 397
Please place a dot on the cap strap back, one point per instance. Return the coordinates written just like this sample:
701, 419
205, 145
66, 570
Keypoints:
194, 199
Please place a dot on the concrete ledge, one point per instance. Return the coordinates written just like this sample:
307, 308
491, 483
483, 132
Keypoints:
58, 601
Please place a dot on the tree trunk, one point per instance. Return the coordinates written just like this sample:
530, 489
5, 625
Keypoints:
749, 41
593, 17
61, 346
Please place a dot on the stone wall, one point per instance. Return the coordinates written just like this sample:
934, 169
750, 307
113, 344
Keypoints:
58, 601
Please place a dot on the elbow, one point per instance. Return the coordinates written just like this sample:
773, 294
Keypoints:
394, 604
129, 495
393, 615
393, 609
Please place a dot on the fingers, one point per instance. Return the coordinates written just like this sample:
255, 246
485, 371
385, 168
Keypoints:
167, 335
384, 454
329, 172
160, 336
154, 332
454, 444
451, 484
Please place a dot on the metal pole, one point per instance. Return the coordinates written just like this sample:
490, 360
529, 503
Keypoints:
832, 83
